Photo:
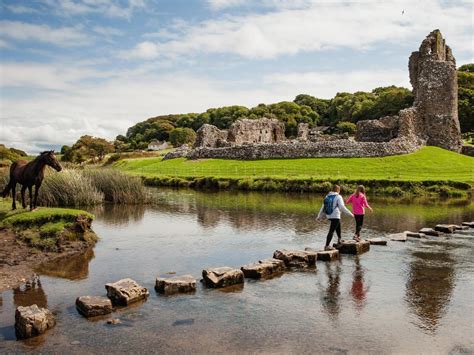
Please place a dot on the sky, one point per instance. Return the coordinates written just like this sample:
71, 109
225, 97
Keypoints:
75, 67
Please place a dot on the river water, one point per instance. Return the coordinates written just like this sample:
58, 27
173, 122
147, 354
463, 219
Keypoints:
413, 297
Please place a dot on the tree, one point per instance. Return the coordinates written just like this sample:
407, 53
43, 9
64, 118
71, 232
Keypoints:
466, 97
180, 136
346, 127
87, 147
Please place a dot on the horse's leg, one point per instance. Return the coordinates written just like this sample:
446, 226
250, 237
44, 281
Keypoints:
30, 191
23, 189
14, 196
37, 187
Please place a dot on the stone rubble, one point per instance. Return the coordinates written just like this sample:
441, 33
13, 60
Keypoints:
92, 306
222, 277
177, 284
125, 292
32, 321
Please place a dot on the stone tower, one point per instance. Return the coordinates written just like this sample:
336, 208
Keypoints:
435, 87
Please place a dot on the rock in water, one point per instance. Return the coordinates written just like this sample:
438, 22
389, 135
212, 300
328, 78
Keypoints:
445, 228
296, 258
415, 235
353, 247
262, 269
325, 255
125, 291
32, 321
222, 277
469, 224
377, 241
92, 306
177, 284
430, 231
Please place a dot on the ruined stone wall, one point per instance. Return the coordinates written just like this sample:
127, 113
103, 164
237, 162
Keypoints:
264, 130
210, 136
382, 130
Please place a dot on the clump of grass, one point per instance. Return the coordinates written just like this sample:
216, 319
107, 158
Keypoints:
69, 188
117, 187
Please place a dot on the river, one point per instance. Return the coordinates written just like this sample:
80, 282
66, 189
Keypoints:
412, 297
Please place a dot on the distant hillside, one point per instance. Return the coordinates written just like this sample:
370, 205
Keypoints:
8, 155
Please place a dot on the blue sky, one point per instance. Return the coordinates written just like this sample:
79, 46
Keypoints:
74, 67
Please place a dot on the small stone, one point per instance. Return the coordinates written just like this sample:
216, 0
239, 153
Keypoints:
296, 258
32, 321
353, 247
445, 228
430, 231
75, 342
125, 292
377, 241
178, 284
262, 269
92, 306
222, 277
468, 224
114, 321
325, 255
398, 237
415, 235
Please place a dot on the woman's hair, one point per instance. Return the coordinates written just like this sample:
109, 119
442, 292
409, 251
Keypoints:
336, 188
360, 189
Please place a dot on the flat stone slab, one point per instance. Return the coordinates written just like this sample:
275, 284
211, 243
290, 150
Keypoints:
377, 241
325, 255
398, 237
264, 268
125, 292
93, 306
461, 228
222, 277
445, 228
177, 284
32, 321
430, 231
296, 258
415, 235
469, 224
352, 247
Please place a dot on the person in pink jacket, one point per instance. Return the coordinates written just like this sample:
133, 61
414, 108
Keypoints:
359, 204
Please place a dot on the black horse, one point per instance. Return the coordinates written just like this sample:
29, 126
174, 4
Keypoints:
28, 174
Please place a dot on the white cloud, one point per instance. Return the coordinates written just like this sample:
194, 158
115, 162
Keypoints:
143, 50
61, 36
222, 4
107, 31
319, 26
110, 8
19, 9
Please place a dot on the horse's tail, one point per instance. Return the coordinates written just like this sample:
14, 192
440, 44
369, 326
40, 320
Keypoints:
9, 186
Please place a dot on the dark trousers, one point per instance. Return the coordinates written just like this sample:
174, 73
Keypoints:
335, 226
359, 222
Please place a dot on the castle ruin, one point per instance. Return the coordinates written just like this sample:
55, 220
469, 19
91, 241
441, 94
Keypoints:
432, 120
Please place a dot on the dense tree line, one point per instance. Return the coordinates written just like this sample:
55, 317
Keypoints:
466, 97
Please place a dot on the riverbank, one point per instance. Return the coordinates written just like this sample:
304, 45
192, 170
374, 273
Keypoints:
28, 239
430, 170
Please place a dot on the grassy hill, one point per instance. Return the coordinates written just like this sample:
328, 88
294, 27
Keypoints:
429, 163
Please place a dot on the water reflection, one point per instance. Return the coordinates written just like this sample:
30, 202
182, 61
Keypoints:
30, 293
119, 214
330, 293
430, 285
75, 267
359, 288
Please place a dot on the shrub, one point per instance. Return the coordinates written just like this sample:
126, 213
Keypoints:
346, 127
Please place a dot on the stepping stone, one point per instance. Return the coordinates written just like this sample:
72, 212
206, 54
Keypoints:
377, 241
445, 228
125, 292
264, 268
430, 231
32, 321
353, 247
461, 228
325, 255
177, 284
398, 237
468, 224
296, 258
415, 235
222, 277
92, 306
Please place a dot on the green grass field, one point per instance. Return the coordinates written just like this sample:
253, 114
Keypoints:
429, 163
